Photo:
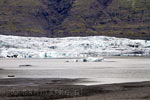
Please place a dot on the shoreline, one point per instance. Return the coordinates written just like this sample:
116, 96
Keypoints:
132, 56
64, 89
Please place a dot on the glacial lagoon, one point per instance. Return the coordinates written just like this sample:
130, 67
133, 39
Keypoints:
111, 70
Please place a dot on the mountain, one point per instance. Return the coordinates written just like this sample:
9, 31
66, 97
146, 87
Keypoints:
62, 18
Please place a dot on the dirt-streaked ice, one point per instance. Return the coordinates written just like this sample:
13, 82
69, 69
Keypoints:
34, 47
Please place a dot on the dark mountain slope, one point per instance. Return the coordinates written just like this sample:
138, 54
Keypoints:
59, 18
32, 17
121, 18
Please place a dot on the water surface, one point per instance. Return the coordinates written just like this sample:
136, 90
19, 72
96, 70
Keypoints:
111, 70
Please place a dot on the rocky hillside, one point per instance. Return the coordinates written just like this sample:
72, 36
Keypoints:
61, 18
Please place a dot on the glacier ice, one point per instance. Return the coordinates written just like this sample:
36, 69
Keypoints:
90, 59
91, 46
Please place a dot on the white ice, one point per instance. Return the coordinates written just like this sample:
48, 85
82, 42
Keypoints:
92, 46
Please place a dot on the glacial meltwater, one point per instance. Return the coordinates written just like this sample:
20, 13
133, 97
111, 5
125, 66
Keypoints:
111, 70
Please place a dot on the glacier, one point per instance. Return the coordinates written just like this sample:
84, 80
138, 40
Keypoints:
71, 47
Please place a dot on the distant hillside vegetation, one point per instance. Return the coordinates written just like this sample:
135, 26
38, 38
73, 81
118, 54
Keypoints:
61, 18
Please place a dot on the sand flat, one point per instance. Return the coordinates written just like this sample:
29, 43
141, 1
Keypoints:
52, 89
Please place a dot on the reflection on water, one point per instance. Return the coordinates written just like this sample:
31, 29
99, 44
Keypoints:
112, 70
